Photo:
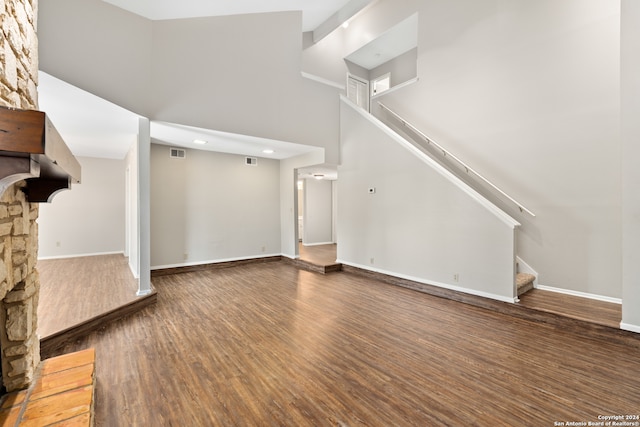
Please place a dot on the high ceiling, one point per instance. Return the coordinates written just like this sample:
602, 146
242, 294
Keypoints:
314, 12
94, 127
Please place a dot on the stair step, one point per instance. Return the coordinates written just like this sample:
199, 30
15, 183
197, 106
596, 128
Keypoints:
524, 282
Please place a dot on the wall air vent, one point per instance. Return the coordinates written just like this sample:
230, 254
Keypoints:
250, 161
177, 153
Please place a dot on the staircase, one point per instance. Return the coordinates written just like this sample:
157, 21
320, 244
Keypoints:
524, 282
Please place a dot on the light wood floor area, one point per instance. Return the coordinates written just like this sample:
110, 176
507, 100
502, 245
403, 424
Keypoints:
75, 290
268, 344
322, 255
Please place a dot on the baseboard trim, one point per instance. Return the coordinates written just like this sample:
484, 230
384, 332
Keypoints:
210, 262
212, 265
580, 294
629, 327
318, 244
44, 258
390, 276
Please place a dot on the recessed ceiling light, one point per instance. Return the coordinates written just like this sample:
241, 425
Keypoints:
345, 24
268, 151
199, 141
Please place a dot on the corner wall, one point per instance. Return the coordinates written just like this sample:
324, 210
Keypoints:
211, 207
90, 220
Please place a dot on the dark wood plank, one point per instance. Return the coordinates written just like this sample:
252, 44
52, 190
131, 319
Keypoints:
267, 344
211, 266
589, 310
22, 131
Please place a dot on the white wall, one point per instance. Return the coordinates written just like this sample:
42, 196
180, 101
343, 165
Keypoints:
402, 68
418, 223
238, 74
97, 47
211, 207
318, 208
528, 94
89, 219
630, 52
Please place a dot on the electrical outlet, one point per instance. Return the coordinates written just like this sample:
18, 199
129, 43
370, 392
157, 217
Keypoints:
371, 260
185, 256
264, 249
456, 277
57, 244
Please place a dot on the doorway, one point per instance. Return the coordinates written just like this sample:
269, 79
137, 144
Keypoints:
358, 91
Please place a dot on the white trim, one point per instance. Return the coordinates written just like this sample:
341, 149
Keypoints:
317, 244
580, 294
499, 213
143, 293
80, 255
395, 88
432, 283
322, 80
630, 327
214, 261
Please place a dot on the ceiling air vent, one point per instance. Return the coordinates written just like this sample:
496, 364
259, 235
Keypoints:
250, 161
177, 153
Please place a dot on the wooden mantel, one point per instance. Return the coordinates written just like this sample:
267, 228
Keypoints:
31, 149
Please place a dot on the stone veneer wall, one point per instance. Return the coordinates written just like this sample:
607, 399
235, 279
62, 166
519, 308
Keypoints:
19, 283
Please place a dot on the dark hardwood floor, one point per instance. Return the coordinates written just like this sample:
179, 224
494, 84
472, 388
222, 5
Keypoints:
268, 344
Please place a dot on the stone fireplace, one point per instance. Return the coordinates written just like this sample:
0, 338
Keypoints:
19, 284
19, 288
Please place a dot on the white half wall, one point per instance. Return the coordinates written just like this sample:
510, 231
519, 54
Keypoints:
211, 207
401, 216
89, 219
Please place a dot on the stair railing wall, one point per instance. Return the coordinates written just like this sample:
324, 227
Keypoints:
448, 155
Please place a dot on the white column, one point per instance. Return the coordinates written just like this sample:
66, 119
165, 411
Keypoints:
630, 135
144, 210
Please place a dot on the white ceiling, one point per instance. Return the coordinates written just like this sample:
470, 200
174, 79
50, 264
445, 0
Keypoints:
328, 172
177, 135
314, 12
398, 40
94, 127
91, 126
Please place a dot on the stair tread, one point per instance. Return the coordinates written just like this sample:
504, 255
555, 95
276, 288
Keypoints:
523, 279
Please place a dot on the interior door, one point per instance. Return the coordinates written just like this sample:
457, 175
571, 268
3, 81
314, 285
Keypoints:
358, 91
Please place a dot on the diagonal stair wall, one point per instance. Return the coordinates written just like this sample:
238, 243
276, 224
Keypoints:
400, 213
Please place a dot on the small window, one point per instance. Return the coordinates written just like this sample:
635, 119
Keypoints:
381, 84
